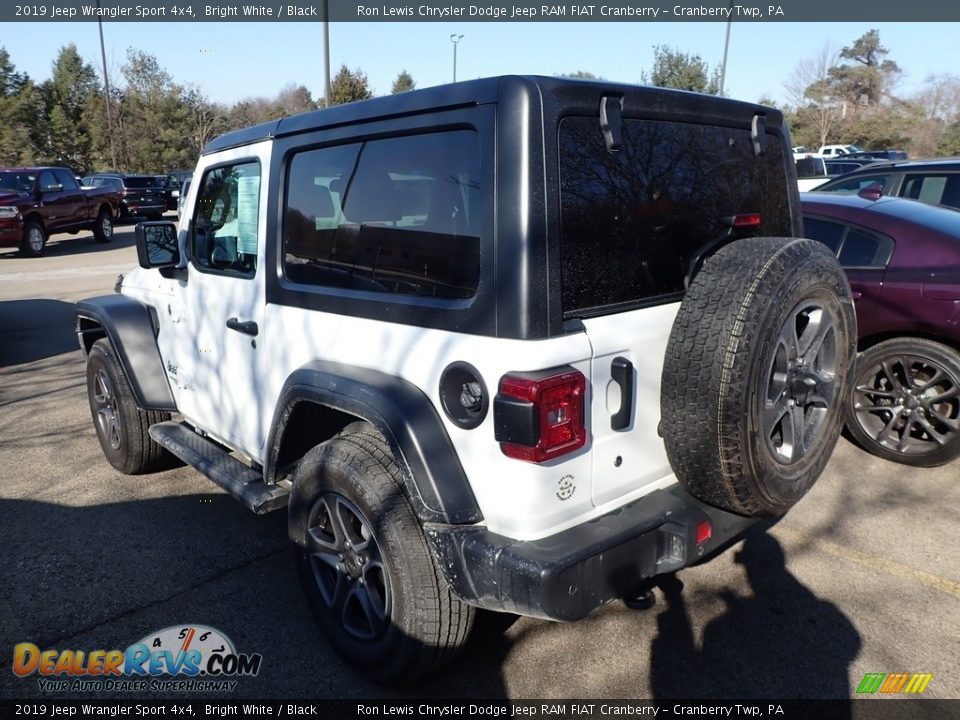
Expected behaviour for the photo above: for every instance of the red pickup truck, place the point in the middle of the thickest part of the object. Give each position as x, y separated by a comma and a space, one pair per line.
37, 201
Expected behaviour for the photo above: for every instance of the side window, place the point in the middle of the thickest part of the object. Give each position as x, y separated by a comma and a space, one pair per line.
225, 223
47, 180
855, 185
829, 233
399, 215
933, 189
865, 250
66, 179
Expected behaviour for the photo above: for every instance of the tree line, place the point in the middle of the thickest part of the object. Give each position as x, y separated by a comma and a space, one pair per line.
151, 123
154, 123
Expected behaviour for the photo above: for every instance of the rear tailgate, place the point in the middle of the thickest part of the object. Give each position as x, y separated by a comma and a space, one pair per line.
636, 222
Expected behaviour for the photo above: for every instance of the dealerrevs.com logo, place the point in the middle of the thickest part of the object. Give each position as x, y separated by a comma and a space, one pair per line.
177, 658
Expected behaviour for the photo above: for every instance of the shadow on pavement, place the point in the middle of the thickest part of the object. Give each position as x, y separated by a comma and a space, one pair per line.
104, 576
79, 244
780, 642
32, 330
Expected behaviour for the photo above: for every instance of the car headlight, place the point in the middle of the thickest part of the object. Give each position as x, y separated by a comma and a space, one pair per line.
8, 213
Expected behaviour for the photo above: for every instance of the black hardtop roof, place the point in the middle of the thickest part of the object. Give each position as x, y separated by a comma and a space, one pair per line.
548, 90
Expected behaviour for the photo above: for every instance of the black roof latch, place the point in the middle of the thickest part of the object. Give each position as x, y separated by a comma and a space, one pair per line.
611, 122
758, 133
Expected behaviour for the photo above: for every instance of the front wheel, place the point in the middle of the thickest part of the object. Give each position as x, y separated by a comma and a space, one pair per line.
905, 405
122, 427
34, 242
364, 563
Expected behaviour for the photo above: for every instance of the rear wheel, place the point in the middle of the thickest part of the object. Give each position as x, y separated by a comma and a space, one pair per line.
365, 566
756, 373
103, 229
905, 405
34, 242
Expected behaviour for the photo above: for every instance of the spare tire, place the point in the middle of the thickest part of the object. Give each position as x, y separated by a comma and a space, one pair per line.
756, 373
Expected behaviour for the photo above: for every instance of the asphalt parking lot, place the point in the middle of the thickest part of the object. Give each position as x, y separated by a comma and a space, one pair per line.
862, 576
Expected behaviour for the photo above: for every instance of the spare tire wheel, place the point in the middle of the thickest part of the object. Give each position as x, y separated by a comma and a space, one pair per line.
757, 369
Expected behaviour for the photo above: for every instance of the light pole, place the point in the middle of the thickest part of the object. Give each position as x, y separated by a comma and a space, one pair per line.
455, 39
106, 87
726, 47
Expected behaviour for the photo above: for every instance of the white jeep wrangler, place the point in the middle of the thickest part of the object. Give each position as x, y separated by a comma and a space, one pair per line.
518, 344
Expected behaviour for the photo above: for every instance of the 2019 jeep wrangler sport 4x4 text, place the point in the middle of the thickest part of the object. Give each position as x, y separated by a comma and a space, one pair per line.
518, 343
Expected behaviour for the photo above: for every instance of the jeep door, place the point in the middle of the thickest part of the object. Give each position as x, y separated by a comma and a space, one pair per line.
218, 308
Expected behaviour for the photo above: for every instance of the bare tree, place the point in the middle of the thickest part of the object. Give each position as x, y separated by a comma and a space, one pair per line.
811, 92
206, 119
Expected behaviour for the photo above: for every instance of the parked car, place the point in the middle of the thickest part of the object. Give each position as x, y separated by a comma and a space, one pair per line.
903, 261
173, 182
38, 201
144, 196
837, 150
930, 181
811, 172
516, 343
879, 154
845, 164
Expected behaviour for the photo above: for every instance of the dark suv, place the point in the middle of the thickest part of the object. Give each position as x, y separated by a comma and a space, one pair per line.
520, 344
144, 196
931, 181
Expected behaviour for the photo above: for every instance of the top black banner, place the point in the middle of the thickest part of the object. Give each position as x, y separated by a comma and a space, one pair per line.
479, 11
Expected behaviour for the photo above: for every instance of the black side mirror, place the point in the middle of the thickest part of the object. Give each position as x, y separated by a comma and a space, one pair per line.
157, 245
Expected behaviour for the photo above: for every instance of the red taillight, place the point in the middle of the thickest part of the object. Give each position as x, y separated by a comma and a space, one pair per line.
704, 531
747, 220
553, 405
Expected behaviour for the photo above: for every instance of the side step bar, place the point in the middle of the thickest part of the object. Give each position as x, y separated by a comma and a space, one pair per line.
240, 481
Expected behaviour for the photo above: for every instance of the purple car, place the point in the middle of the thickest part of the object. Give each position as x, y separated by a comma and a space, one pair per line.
903, 261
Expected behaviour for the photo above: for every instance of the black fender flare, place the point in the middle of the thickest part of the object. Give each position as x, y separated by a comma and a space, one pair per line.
433, 476
133, 333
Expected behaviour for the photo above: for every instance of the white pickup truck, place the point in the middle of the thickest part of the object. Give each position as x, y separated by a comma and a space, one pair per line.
829, 151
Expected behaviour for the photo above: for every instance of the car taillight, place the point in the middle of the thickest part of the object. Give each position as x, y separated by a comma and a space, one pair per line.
539, 416
747, 220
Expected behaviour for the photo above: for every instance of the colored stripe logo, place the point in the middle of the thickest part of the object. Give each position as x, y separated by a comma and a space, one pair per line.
892, 683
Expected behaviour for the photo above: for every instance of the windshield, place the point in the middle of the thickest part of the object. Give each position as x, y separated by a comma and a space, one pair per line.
19, 181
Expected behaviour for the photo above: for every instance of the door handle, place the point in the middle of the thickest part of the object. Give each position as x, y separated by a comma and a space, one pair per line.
247, 327
621, 371
856, 294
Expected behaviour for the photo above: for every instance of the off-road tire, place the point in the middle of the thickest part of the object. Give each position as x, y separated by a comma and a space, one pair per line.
103, 228
126, 443
34, 242
728, 372
922, 430
426, 625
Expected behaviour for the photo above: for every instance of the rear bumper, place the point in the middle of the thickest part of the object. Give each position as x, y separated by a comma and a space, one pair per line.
569, 575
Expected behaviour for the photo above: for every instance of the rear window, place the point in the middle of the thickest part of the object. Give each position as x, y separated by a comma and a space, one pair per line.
634, 222
141, 182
